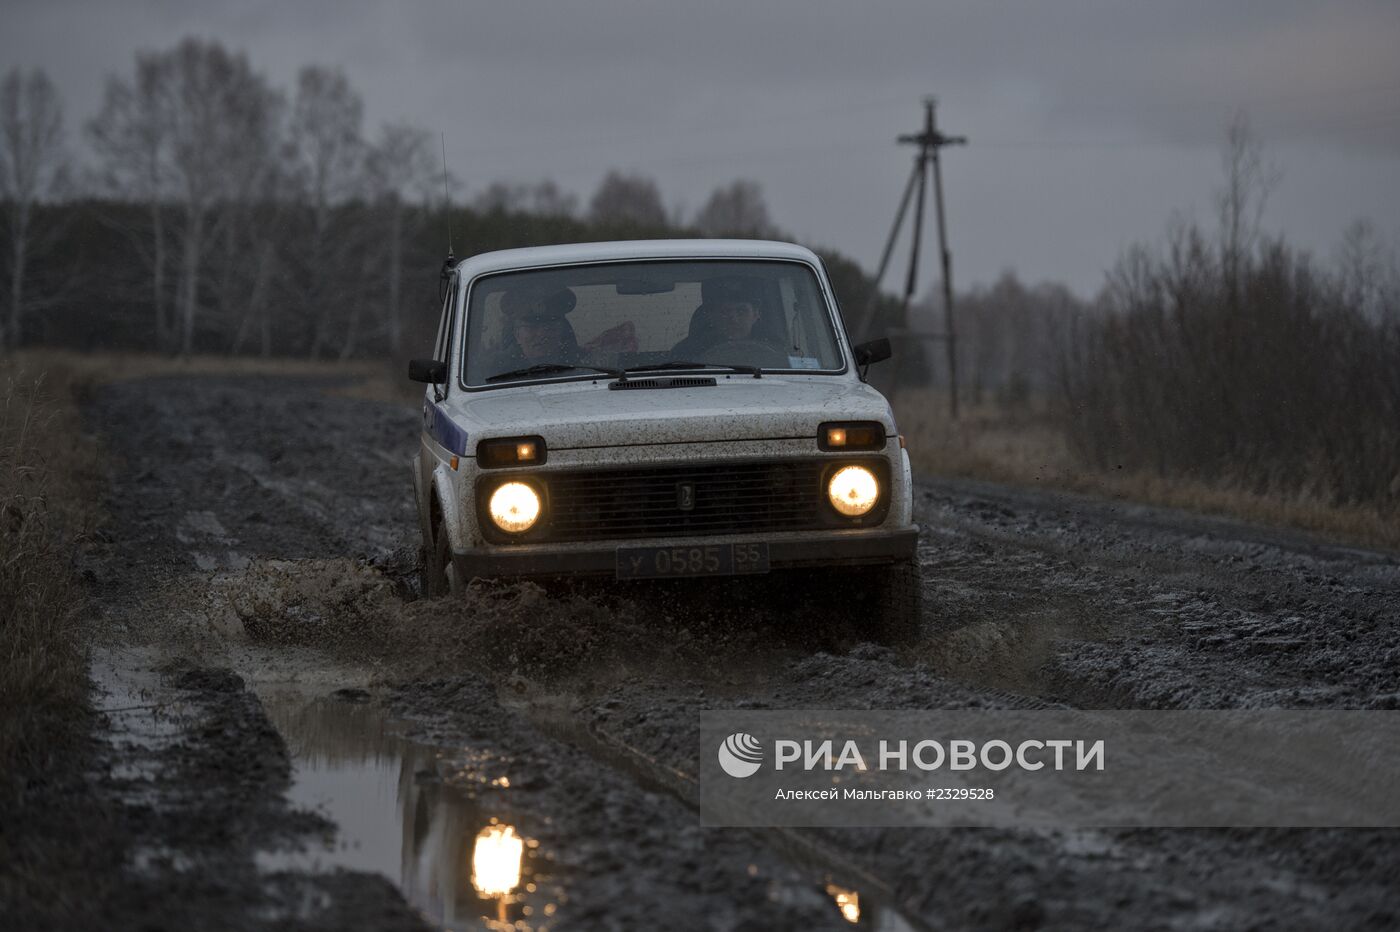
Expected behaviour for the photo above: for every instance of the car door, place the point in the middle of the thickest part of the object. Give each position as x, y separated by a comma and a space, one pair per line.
431, 450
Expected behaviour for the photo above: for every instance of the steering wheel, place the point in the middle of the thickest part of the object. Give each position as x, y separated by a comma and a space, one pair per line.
745, 353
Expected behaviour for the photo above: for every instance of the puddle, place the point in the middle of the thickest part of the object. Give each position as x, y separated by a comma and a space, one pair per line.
461, 861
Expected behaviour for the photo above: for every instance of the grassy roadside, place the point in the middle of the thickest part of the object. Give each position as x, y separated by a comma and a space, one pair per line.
48, 496
49, 818
67, 836
1023, 446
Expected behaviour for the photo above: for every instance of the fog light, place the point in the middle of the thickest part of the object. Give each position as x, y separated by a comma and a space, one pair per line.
515, 507
842, 436
511, 451
853, 491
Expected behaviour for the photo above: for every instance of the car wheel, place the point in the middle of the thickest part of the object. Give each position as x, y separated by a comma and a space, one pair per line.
439, 574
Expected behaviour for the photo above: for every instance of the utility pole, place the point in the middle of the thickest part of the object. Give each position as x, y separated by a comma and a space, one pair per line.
930, 142
937, 142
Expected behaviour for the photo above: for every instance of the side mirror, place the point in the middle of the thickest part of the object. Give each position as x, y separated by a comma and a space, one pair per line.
431, 371
872, 351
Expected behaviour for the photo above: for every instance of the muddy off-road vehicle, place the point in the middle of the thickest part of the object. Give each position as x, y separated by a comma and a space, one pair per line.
661, 409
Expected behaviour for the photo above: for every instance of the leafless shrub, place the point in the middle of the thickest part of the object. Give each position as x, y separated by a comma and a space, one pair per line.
1261, 375
1242, 361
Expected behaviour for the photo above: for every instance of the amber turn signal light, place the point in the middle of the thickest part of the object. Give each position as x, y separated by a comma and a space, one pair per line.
851, 435
510, 451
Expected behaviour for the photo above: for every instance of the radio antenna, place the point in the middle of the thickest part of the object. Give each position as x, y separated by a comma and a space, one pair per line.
447, 201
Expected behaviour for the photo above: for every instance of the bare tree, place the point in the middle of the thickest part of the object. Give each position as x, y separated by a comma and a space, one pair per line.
1240, 202
131, 137
184, 128
31, 165
327, 139
633, 199
1368, 279
251, 215
327, 123
274, 202
736, 209
401, 170
208, 94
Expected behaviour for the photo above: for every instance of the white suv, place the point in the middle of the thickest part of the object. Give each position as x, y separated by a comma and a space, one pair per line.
660, 409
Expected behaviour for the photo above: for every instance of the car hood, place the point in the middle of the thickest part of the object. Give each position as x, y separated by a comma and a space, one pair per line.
589, 414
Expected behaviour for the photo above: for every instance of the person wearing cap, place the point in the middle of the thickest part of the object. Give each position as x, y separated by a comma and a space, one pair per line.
727, 314
734, 320
537, 329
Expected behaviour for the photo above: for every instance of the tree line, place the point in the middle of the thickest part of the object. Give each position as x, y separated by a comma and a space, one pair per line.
220, 213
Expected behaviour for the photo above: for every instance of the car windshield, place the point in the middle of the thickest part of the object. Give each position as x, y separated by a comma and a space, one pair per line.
579, 321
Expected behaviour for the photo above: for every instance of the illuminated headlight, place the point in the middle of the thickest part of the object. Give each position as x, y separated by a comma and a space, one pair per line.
853, 491
515, 507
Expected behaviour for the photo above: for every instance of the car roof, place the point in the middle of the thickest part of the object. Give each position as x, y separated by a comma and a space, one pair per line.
536, 256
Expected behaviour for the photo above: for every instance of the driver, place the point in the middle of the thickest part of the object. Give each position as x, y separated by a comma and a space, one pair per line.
727, 314
734, 320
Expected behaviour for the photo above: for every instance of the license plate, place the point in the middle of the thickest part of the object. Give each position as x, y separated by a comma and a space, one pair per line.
702, 560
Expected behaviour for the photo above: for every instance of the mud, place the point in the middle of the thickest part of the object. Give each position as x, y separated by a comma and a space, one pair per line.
263, 546
185, 777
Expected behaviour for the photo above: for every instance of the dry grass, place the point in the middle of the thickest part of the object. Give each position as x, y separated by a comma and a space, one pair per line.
1026, 447
93, 368
50, 484
47, 493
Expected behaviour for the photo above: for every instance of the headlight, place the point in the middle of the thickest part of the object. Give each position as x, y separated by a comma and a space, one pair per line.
515, 507
853, 491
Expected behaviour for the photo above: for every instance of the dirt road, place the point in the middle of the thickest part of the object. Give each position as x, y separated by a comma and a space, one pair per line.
289, 725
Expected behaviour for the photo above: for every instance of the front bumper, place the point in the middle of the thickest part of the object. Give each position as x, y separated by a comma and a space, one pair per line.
785, 551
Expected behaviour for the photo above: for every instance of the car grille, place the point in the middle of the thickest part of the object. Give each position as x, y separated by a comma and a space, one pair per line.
729, 498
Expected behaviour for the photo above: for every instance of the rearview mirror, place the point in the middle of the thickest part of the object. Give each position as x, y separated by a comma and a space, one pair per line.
645, 286
431, 371
872, 351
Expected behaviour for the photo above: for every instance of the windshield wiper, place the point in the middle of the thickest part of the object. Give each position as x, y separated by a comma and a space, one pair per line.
546, 368
755, 371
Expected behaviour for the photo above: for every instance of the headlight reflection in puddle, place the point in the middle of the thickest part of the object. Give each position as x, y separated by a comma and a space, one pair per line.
848, 901
496, 860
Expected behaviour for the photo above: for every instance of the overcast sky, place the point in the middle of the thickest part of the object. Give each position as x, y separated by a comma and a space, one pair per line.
1090, 121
